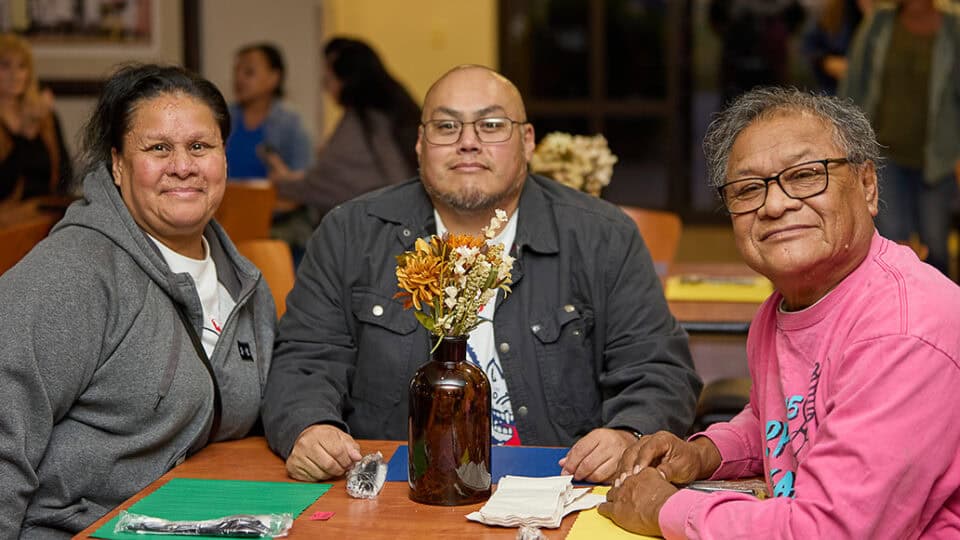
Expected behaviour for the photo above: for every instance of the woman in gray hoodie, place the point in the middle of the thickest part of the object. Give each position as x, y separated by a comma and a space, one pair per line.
135, 333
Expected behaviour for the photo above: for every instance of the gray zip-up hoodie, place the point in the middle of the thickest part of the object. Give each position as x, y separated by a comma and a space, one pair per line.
103, 390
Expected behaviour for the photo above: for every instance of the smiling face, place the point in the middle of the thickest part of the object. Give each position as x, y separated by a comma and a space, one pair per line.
469, 175
172, 169
804, 246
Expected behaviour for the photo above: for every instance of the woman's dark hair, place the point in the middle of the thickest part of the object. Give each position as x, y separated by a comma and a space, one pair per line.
366, 84
125, 90
274, 59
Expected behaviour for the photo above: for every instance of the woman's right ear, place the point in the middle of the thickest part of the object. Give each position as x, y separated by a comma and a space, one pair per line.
116, 166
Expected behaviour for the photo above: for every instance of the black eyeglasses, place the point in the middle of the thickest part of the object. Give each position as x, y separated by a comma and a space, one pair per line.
488, 130
800, 181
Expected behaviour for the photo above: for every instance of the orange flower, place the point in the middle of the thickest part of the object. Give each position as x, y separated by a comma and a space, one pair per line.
418, 274
465, 240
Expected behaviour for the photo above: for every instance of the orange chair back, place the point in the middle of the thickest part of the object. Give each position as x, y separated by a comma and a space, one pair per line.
274, 260
247, 210
17, 239
660, 231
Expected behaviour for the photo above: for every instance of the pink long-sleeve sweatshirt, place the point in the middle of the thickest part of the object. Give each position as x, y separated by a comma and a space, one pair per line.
853, 415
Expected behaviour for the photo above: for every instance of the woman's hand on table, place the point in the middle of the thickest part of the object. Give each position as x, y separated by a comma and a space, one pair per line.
322, 452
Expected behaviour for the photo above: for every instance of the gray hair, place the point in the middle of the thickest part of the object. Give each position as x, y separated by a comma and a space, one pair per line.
851, 129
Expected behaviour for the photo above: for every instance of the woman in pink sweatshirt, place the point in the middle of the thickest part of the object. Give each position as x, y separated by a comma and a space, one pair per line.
854, 358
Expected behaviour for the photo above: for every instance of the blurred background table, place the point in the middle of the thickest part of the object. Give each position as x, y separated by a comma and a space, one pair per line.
24, 224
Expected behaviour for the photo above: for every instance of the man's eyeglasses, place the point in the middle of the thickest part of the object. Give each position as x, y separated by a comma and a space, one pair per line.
799, 181
488, 130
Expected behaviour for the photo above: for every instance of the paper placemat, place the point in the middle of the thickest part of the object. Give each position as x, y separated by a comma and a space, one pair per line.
591, 525
750, 289
197, 499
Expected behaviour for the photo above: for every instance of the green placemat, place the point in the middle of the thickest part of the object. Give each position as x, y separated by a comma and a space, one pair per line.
196, 499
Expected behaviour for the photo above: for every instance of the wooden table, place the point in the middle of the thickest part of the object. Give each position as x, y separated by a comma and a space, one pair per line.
713, 312
22, 225
720, 353
392, 515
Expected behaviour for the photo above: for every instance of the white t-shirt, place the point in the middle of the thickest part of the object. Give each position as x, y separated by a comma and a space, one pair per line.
482, 350
216, 301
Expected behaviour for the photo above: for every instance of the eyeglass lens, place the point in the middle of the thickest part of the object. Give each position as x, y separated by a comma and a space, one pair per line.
797, 182
488, 130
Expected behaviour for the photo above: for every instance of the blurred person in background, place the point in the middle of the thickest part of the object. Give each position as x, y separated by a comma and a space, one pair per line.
261, 124
262, 129
826, 43
372, 145
903, 71
33, 158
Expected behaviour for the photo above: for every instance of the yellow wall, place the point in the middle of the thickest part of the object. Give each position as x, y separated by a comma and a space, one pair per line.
418, 40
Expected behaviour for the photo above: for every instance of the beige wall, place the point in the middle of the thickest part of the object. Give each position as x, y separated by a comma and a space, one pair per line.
418, 39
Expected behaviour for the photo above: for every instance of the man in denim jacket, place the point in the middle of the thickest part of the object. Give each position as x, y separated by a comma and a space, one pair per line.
584, 350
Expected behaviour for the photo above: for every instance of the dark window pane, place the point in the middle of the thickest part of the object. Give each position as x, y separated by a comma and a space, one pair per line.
640, 175
636, 48
554, 35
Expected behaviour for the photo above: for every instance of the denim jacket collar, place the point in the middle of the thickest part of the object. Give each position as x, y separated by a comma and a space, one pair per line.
414, 211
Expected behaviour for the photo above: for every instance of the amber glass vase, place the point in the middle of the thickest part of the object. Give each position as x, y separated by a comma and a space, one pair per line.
449, 425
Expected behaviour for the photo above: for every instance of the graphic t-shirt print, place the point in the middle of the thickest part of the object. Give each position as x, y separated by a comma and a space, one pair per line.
787, 437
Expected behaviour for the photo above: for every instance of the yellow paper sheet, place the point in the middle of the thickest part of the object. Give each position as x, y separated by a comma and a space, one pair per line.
590, 525
718, 289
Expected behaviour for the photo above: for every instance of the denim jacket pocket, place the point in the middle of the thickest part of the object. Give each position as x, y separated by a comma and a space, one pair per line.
384, 336
565, 356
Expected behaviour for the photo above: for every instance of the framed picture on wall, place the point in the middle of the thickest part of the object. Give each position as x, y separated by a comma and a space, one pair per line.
70, 23
78, 43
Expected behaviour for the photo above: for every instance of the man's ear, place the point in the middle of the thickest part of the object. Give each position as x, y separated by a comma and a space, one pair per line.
871, 188
529, 141
417, 147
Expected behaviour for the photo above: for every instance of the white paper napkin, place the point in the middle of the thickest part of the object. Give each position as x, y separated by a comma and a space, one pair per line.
534, 502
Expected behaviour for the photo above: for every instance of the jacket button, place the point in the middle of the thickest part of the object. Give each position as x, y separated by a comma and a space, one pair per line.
535, 328
522, 410
406, 232
504, 347
377, 310
569, 308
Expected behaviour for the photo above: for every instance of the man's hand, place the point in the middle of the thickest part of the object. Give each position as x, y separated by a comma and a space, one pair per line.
635, 504
322, 452
678, 461
594, 457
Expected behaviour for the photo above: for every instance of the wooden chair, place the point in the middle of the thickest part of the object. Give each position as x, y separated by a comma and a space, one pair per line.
17, 239
661, 232
274, 260
247, 210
